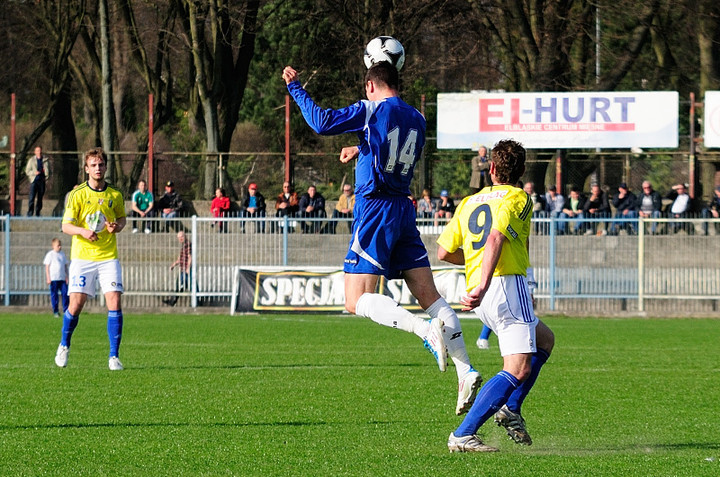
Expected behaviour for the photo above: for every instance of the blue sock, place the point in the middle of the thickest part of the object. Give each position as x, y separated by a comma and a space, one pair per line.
485, 333
114, 329
518, 396
69, 324
490, 398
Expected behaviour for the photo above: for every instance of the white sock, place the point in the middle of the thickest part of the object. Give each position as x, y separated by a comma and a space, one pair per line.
452, 334
385, 311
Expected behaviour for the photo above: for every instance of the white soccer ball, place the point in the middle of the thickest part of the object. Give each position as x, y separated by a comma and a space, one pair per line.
385, 48
96, 222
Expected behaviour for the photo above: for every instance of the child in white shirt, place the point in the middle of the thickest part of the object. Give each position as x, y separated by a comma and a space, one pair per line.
56, 275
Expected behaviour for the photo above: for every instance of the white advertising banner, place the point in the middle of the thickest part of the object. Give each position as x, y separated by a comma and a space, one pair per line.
711, 123
558, 120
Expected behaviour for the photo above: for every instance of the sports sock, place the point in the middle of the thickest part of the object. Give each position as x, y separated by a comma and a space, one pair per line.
485, 333
114, 329
385, 311
490, 398
69, 324
452, 334
518, 396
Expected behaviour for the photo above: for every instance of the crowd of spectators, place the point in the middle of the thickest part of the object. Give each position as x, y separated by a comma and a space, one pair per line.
601, 211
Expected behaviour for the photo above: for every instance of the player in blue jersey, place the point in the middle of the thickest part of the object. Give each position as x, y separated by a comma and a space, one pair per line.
385, 240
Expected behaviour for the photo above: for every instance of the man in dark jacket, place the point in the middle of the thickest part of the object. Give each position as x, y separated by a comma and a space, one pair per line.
625, 204
596, 207
312, 205
254, 206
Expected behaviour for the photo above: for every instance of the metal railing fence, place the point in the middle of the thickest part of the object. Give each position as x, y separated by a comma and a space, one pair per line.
658, 265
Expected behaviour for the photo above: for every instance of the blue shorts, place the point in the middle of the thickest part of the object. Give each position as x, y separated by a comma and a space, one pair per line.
385, 240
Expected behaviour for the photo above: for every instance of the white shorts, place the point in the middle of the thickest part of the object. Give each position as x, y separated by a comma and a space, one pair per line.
507, 309
84, 273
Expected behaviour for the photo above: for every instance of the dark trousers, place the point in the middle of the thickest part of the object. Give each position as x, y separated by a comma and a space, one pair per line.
338, 215
59, 286
146, 224
37, 191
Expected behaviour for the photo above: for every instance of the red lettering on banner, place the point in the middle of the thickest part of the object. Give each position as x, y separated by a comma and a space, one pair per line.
486, 114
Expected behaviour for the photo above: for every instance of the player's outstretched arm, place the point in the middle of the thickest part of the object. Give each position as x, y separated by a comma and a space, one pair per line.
349, 153
289, 75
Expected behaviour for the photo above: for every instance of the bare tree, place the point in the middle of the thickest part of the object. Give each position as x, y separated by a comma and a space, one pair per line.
221, 38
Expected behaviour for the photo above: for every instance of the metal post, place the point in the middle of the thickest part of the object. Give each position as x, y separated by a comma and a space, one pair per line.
287, 138
691, 159
13, 179
551, 262
641, 263
6, 219
151, 157
285, 240
193, 265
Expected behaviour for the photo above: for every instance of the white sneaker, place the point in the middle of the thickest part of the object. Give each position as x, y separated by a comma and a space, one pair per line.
147, 231
435, 343
467, 390
114, 364
61, 357
482, 344
134, 230
468, 444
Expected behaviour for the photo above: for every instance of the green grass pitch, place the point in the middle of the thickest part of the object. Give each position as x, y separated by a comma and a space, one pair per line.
314, 395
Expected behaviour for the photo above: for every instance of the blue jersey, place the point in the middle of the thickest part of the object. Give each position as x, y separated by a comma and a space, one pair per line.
392, 137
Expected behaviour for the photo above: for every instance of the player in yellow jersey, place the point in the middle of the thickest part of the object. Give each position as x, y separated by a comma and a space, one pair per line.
94, 213
489, 235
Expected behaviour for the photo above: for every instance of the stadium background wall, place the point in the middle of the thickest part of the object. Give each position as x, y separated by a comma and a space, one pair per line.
664, 274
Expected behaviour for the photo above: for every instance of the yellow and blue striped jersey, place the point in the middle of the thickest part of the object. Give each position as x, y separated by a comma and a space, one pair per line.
91, 209
501, 207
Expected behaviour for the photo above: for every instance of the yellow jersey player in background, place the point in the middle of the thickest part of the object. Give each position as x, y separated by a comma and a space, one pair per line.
94, 213
489, 234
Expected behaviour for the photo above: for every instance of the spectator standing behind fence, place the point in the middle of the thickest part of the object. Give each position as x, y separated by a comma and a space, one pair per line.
625, 204
573, 209
38, 171
254, 206
312, 206
344, 207
426, 206
680, 207
56, 276
596, 207
445, 207
220, 207
480, 166
142, 206
649, 205
183, 262
170, 205
712, 210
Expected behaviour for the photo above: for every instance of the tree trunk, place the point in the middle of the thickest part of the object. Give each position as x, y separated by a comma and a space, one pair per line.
66, 166
109, 131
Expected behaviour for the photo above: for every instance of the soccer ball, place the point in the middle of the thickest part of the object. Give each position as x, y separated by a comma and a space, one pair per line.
385, 48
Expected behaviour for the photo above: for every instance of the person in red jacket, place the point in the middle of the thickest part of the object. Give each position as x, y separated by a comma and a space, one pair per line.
220, 207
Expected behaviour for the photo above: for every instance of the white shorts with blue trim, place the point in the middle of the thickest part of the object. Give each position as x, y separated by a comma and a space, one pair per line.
84, 273
507, 309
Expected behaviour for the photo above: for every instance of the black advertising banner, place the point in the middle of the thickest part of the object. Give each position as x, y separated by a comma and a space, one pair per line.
311, 291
